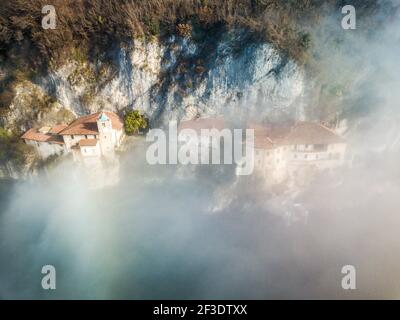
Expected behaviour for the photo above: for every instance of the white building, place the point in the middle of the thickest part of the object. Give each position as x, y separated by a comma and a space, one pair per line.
208, 133
45, 140
88, 138
295, 151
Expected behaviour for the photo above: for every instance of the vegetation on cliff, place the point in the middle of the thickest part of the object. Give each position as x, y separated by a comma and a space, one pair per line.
97, 26
100, 23
134, 122
13, 149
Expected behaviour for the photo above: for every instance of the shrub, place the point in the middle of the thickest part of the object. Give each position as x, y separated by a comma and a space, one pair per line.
153, 26
184, 30
134, 122
13, 149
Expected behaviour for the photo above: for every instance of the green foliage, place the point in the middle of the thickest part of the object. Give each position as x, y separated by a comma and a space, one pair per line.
134, 122
305, 40
50, 162
6, 97
97, 24
152, 25
13, 149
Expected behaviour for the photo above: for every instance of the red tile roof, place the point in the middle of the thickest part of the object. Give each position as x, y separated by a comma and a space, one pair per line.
34, 135
311, 133
269, 136
88, 142
88, 124
58, 128
202, 123
261, 142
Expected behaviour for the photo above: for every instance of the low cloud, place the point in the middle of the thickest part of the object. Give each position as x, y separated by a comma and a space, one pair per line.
157, 234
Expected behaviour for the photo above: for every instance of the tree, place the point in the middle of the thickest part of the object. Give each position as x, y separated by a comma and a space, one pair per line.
134, 122
12, 149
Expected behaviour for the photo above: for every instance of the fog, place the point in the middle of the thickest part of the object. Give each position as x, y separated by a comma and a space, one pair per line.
199, 232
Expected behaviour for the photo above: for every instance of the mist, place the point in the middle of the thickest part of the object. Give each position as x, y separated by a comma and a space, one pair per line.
170, 232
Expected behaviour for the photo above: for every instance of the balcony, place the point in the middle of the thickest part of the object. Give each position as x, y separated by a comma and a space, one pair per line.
309, 156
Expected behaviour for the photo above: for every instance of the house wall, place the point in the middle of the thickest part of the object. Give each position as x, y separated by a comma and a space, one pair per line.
45, 149
69, 142
108, 137
91, 151
91, 155
119, 136
271, 164
276, 165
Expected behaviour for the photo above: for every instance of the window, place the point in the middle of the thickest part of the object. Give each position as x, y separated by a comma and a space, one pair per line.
86, 136
72, 137
320, 147
104, 125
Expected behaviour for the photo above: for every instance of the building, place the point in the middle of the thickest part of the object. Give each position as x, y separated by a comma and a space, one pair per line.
199, 124
208, 133
45, 140
295, 150
88, 138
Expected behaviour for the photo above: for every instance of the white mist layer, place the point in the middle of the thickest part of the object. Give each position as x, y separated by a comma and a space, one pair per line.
156, 235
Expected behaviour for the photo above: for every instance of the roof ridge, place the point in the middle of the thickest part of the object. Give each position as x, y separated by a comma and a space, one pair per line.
328, 129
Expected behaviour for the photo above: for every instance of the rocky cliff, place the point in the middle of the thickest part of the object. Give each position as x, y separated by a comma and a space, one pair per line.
170, 79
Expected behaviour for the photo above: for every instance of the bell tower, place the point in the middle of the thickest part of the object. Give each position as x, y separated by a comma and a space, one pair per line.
106, 134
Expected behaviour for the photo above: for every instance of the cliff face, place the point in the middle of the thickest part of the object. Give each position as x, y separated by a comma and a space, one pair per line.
182, 59
173, 78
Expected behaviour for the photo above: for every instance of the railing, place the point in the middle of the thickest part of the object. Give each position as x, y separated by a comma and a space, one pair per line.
309, 156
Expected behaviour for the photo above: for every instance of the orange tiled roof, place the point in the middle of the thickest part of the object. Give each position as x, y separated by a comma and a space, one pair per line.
202, 123
311, 133
261, 142
57, 128
268, 136
88, 142
88, 124
35, 135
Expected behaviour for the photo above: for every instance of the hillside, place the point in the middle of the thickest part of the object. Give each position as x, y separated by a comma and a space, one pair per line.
171, 59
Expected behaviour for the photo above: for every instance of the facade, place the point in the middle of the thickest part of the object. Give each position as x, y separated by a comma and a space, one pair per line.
46, 140
215, 127
295, 151
88, 138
